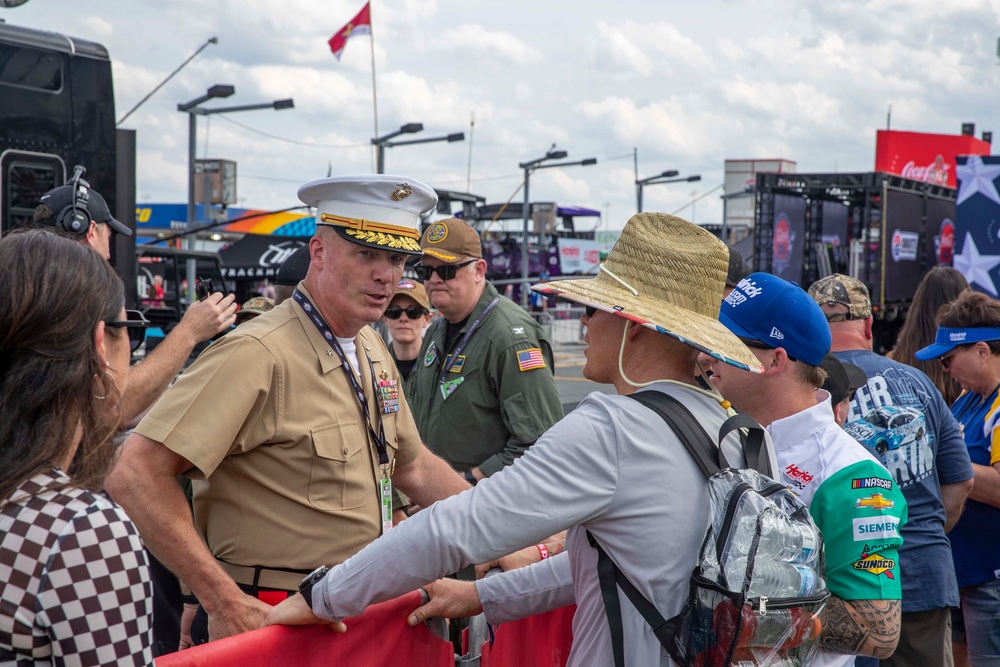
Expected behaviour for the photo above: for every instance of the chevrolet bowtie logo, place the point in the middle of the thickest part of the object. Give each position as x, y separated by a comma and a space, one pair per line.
876, 502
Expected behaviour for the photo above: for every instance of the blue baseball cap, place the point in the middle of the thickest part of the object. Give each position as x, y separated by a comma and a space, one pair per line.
765, 308
948, 338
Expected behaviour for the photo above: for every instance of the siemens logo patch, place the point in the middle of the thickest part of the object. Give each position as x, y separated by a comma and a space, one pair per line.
876, 528
871, 483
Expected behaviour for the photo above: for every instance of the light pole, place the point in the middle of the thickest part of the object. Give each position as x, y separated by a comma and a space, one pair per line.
383, 142
658, 180
218, 90
529, 167
193, 111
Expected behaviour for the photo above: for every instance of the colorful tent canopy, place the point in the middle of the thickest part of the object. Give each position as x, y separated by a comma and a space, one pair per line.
151, 217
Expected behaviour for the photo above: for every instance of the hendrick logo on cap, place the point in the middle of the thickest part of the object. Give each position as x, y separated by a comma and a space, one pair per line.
957, 336
745, 289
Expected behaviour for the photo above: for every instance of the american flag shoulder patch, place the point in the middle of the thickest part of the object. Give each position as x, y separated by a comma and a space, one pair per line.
530, 358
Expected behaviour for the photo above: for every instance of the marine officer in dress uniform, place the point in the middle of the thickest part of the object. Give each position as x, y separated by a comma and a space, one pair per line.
293, 425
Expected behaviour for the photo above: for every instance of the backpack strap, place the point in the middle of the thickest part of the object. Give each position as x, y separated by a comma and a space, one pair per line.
692, 435
610, 575
753, 441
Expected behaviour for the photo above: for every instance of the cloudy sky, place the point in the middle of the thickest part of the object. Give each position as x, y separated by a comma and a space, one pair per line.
687, 84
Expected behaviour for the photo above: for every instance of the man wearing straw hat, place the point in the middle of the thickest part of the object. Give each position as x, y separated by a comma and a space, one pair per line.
611, 467
293, 425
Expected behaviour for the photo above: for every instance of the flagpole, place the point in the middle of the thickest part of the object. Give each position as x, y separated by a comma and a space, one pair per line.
371, 29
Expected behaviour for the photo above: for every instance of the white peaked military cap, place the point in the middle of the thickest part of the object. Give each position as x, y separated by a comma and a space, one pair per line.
378, 210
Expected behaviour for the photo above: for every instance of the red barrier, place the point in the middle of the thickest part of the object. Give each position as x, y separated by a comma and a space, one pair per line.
542, 640
379, 637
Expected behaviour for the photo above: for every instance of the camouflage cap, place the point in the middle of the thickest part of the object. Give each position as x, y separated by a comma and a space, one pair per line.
254, 307
839, 289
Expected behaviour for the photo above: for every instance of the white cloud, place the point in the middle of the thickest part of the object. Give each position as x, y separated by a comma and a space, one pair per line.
629, 49
489, 46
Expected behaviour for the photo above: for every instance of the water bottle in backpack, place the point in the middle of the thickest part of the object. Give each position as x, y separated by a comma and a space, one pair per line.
775, 579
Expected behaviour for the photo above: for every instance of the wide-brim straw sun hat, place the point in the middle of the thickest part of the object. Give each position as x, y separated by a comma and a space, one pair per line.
668, 275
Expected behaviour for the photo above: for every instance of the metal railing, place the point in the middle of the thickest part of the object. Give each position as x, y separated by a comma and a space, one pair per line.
562, 324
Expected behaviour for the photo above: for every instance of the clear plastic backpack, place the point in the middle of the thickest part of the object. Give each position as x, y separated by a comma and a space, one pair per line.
756, 595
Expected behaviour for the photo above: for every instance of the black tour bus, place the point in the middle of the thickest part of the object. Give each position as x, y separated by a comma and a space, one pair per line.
57, 110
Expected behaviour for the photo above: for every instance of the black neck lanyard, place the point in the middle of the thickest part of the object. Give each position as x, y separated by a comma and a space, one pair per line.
359, 392
446, 367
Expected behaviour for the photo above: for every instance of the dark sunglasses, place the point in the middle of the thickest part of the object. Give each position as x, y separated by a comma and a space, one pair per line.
590, 310
413, 312
445, 271
759, 345
136, 324
946, 359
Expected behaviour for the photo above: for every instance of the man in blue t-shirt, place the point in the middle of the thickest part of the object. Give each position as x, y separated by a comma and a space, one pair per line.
901, 417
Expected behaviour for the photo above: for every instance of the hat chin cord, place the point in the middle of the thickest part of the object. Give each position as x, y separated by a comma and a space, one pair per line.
713, 394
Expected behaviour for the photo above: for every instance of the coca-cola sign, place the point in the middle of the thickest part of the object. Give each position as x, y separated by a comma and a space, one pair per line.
936, 172
924, 157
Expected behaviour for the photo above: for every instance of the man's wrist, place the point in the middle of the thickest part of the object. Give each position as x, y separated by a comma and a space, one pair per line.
307, 585
470, 478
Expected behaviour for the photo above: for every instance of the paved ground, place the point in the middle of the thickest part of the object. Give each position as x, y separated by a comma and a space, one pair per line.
572, 386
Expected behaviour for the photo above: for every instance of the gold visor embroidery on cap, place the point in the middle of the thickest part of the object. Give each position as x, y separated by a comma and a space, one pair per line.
379, 238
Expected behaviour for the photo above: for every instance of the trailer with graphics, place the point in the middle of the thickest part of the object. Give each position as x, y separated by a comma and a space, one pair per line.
57, 110
882, 229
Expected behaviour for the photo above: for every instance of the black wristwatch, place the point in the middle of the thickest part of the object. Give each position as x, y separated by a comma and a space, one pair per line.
306, 585
470, 478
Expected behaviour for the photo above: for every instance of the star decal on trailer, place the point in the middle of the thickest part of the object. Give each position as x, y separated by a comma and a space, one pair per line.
976, 267
975, 176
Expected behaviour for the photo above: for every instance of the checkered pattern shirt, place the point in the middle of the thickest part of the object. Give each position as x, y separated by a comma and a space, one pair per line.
75, 581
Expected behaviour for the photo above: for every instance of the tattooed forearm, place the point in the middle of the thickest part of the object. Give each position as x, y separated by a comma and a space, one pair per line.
861, 627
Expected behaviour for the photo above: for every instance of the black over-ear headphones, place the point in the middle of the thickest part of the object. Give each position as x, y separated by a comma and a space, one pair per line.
75, 218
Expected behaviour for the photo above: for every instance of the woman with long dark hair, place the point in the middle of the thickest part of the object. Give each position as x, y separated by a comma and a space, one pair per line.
76, 586
939, 287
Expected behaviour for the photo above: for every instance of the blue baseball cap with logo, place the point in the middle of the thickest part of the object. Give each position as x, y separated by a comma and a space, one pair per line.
948, 338
766, 308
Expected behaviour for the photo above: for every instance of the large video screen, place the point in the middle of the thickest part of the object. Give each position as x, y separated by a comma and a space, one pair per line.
902, 252
789, 237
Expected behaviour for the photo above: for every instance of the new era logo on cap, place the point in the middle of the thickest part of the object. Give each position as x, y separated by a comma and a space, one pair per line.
778, 313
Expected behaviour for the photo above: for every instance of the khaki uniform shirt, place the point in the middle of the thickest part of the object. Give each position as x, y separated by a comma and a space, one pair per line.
501, 404
289, 474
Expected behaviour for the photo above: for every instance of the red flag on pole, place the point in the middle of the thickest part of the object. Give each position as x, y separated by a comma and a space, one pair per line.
359, 25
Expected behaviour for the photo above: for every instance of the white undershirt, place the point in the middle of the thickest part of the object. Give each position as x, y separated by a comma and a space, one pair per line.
351, 352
